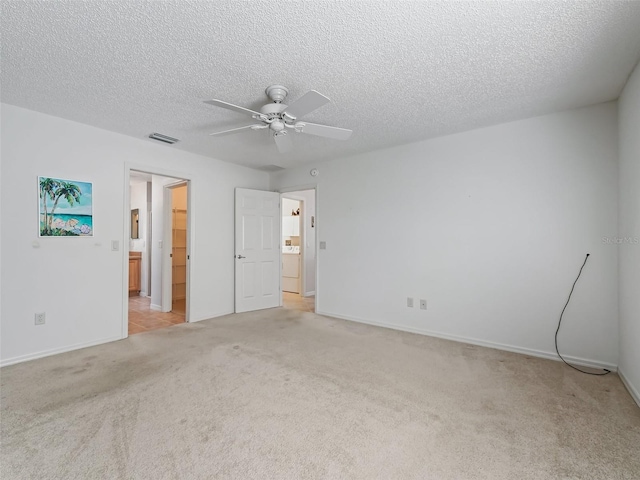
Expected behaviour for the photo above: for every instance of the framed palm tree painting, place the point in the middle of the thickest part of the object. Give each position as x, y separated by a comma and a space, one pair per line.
65, 208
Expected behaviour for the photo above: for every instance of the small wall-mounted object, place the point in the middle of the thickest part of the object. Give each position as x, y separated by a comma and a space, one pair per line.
40, 318
135, 220
314, 172
313, 221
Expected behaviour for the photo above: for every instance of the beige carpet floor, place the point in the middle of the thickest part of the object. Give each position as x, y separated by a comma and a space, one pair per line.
281, 394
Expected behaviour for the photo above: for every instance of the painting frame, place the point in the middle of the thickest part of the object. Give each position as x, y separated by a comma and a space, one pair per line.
65, 208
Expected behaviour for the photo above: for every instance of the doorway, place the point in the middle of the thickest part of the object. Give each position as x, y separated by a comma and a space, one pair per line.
179, 248
158, 233
299, 250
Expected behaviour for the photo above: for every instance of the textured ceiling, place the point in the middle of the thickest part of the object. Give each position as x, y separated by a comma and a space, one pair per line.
397, 72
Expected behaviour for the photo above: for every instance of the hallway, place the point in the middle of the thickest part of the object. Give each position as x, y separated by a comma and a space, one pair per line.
294, 301
143, 319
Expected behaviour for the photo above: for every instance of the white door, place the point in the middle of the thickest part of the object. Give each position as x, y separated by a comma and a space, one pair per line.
258, 250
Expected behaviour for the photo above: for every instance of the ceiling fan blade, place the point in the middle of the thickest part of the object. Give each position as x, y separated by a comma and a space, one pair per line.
230, 106
324, 130
283, 142
306, 104
234, 130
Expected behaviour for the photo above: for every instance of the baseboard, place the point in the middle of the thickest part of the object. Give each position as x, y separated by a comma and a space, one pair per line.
310, 294
157, 308
55, 351
482, 343
209, 317
631, 389
143, 293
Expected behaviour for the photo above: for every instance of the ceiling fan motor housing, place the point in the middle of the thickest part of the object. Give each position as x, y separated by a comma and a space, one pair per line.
273, 109
277, 93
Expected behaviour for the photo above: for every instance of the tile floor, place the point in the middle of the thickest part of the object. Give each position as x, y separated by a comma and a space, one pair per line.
179, 306
295, 301
143, 319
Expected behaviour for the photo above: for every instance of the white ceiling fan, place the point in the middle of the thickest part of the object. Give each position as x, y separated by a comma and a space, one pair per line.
282, 119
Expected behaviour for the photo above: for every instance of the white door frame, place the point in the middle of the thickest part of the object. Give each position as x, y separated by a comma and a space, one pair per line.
283, 193
303, 249
124, 247
167, 245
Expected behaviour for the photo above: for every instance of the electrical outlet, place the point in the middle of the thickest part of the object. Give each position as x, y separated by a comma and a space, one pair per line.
40, 318
423, 304
409, 302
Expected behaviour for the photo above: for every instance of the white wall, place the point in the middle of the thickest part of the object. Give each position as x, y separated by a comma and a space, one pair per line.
629, 120
78, 282
289, 205
489, 226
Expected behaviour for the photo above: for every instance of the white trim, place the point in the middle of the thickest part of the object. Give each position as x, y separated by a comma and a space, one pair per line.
126, 216
167, 244
55, 351
157, 308
309, 294
482, 343
212, 316
630, 388
302, 284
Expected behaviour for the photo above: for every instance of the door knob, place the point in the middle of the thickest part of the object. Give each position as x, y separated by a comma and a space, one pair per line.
240, 256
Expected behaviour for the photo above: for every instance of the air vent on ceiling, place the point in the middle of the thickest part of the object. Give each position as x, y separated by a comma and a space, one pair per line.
270, 168
163, 138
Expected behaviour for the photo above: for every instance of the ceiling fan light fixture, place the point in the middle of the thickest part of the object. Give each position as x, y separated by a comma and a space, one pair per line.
277, 126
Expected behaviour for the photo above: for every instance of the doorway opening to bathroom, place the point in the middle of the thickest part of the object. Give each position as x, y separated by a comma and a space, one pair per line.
299, 250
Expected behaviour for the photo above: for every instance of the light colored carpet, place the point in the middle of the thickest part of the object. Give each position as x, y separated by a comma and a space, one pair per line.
288, 395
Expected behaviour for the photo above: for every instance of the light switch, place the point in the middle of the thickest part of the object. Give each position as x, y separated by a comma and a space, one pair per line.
323, 245
115, 245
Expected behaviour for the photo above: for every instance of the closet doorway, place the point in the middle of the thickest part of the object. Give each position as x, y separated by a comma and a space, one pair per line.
179, 248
